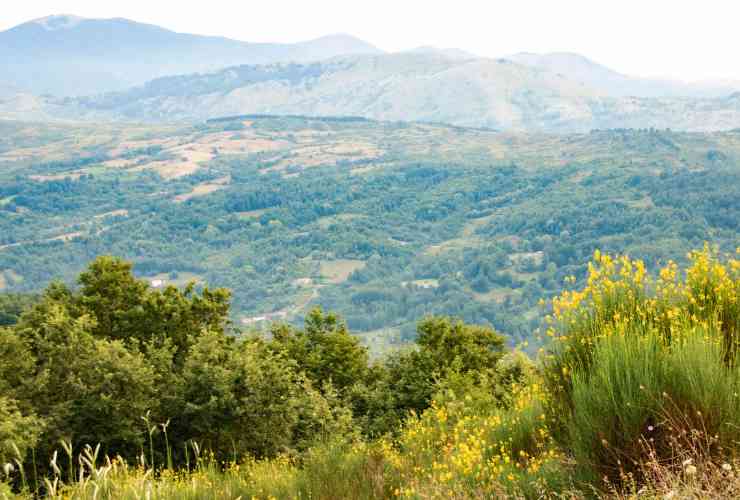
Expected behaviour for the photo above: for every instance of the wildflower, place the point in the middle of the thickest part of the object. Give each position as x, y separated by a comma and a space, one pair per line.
690, 470
726, 467
668, 496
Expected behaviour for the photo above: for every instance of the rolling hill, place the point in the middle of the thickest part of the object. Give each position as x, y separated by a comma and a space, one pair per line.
68, 55
384, 222
407, 86
121, 70
426, 86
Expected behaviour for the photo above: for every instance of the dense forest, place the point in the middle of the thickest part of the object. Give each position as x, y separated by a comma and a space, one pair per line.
381, 222
636, 392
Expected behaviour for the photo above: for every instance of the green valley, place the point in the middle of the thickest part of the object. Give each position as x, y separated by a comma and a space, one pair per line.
382, 222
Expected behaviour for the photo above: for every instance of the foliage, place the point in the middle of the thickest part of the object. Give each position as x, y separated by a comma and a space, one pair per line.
18, 433
125, 308
439, 220
637, 395
11, 307
467, 444
444, 345
644, 366
324, 349
239, 399
122, 365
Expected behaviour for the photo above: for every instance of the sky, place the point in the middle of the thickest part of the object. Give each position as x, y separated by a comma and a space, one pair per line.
688, 40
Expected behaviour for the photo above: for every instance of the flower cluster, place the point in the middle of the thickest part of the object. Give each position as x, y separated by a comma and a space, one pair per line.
453, 448
621, 296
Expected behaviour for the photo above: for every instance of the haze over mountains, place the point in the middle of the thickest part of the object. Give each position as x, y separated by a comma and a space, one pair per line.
69, 55
122, 70
492, 93
581, 69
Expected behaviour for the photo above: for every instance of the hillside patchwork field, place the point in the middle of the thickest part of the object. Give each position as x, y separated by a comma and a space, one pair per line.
383, 222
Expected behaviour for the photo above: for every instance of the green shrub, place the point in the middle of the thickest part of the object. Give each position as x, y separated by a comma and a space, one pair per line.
645, 369
643, 398
18, 432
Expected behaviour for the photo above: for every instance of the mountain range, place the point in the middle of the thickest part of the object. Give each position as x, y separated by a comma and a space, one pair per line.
429, 87
117, 69
68, 55
579, 68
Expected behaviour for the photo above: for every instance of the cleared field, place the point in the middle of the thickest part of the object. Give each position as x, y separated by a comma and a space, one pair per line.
203, 189
498, 296
58, 177
66, 237
252, 214
113, 213
337, 271
426, 283
11, 275
326, 222
453, 244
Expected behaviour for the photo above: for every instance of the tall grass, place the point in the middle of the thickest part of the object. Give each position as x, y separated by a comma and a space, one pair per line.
643, 399
329, 471
646, 369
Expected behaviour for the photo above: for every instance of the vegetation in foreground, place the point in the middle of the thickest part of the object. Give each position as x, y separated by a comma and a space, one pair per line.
637, 395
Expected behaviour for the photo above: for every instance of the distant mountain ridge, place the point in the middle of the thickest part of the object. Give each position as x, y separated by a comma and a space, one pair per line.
581, 69
401, 86
428, 86
116, 69
69, 55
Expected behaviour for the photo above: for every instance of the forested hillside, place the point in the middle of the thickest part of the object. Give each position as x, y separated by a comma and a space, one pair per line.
382, 222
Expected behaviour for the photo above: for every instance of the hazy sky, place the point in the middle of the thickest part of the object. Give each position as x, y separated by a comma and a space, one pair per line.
684, 39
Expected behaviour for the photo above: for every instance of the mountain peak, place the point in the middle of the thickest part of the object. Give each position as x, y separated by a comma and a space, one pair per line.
69, 55
58, 21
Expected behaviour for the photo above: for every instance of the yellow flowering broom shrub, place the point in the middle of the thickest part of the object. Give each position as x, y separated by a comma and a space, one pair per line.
644, 366
469, 446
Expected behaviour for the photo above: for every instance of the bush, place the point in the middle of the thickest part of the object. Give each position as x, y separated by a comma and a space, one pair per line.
644, 368
19, 433
470, 445
240, 399
645, 398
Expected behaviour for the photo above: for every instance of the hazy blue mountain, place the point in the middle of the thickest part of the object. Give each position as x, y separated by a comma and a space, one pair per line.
197, 79
403, 86
492, 93
452, 53
68, 55
579, 68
